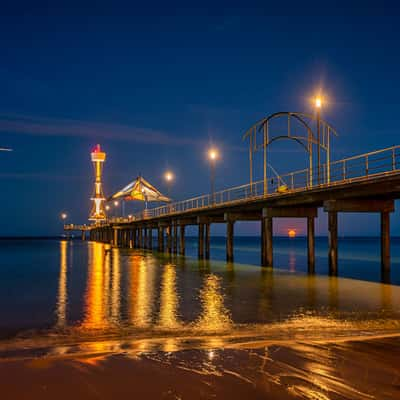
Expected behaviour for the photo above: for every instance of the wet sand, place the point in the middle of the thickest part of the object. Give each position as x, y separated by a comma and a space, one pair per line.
354, 369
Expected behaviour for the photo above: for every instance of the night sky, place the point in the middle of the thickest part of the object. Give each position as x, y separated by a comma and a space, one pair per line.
156, 87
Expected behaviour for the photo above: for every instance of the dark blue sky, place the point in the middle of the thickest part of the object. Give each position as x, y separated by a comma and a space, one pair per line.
156, 90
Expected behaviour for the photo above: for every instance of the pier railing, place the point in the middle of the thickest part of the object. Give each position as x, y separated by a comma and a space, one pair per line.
348, 170
74, 227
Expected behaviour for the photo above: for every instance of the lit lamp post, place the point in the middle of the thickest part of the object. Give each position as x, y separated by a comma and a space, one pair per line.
107, 209
63, 218
116, 203
318, 104
212, 156
169, 177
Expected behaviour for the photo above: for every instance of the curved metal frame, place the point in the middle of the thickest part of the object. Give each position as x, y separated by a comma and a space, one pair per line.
296, 139
310, 140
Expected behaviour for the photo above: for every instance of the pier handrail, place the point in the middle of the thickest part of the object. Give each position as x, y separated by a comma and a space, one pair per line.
355, 168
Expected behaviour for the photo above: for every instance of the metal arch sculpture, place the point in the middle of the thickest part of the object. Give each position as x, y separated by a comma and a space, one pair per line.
321, 141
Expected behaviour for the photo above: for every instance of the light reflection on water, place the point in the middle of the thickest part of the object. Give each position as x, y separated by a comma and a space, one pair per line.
62, 287
214, 316
102, 291
168, 318
131, 291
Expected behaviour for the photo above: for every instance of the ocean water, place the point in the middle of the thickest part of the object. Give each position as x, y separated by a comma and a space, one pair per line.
85, 320
74, 289
359, 257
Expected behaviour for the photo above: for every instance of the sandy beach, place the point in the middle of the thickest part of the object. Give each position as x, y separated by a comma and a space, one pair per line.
349, 369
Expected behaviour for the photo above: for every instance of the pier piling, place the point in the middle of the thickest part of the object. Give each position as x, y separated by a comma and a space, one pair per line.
201, 241
160, 239
229, 240
207, 241
182, 240
311, 244
175, 238
333, 242
385, 241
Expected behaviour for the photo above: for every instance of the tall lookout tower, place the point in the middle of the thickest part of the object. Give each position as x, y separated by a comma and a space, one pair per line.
98, 212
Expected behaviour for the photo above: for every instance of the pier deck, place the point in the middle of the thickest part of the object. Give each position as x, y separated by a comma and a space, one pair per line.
372, 187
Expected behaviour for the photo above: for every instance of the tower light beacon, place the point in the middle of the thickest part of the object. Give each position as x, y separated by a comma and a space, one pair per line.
98, 212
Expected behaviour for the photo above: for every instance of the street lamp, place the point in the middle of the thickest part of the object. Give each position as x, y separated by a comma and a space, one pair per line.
63, 218
213, 155
116, 204
318, 105
169, 177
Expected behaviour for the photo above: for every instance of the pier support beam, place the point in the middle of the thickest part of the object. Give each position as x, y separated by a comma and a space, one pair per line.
146, 238
115, 239
175, 238
311, 244
286, 212
169, 238
160, 239
150, 239
134, 238
262, 230
333, 242
384, 207
229, 240
207, 241
385, 242
267, 247
140, 238
130, 238
182, 240
200, 248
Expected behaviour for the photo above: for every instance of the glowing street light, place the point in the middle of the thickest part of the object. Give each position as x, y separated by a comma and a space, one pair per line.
318, 105
213, 156
169, 178
116, 204
107, 207
63, 217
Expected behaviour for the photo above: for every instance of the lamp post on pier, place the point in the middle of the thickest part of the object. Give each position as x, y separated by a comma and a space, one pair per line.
169, 178
212, 156
116, 204
318, 104
63, 216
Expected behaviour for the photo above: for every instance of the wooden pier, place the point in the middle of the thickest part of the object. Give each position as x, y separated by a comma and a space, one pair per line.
372, 187
373, 195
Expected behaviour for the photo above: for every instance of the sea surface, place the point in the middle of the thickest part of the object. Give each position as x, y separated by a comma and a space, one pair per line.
87, 300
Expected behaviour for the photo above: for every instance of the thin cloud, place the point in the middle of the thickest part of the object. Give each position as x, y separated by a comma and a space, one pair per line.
39, 176
27, 125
